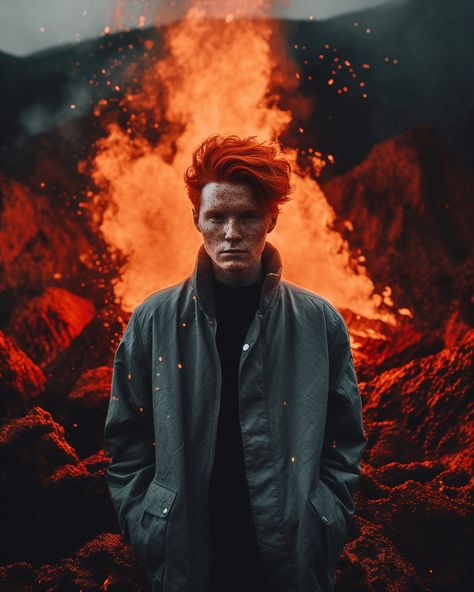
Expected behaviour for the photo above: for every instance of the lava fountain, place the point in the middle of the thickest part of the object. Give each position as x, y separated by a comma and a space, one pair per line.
215, 79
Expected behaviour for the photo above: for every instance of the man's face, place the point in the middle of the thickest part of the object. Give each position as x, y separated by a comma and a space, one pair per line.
234, 228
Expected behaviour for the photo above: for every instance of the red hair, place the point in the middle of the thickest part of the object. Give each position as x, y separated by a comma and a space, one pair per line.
241, 160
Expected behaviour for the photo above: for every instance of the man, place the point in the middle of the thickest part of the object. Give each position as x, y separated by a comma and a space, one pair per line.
234, 425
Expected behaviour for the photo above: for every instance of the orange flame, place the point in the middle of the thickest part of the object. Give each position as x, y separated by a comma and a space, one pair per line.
216, 78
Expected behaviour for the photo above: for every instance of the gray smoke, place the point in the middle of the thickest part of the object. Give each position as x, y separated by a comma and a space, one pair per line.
27, 26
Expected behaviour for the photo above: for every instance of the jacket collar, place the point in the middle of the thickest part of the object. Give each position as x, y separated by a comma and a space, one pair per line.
202, 279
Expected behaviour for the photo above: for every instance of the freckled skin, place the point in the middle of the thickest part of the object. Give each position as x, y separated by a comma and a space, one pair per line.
230, 217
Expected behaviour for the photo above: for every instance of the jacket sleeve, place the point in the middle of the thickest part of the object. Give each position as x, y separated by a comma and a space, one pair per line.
344, 438
128, 432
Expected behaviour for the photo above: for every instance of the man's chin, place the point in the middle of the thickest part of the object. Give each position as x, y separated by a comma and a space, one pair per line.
233, 268
239, 261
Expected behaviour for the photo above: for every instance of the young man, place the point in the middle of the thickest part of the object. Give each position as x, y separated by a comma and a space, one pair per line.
234, 425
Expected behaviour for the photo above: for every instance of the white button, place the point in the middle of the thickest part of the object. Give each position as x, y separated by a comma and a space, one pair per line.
165, 510
246, 346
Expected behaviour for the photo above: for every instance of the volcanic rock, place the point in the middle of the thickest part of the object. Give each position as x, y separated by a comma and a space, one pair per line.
370, 560
430, 397
390, 442
40, 242
17, 577
87, 410
103, 563
416, 480
33, 447
409, 207
47, 324
54, 502
21, 381
422, 520
378, 346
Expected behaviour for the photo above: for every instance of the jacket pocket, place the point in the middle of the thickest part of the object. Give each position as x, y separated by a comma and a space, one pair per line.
150, 537
323, 503
323, 510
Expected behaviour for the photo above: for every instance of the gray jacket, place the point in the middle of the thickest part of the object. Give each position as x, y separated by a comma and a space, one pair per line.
301, 421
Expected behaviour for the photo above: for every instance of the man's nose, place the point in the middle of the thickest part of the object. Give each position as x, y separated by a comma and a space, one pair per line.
232, 230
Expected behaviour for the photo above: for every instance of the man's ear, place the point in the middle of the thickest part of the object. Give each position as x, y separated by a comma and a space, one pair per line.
196, 220
272, 223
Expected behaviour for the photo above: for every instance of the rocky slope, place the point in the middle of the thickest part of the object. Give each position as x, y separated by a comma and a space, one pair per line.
416, 490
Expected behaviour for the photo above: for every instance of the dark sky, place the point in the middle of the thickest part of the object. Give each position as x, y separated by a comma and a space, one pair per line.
29, 25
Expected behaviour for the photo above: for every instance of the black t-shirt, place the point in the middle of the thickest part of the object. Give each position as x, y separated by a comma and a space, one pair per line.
235, 557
